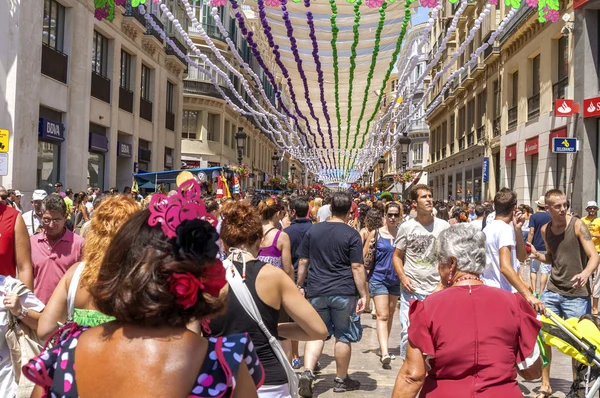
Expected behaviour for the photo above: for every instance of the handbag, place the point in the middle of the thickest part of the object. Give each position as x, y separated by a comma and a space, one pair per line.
372, 252
23, 344
239, 288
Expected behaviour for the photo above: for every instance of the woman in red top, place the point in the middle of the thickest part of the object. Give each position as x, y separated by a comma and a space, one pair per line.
467, 340
15, 250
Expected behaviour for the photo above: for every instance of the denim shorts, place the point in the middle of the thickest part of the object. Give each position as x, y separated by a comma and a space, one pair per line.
379, 288
566, 307
339, 314
537, 265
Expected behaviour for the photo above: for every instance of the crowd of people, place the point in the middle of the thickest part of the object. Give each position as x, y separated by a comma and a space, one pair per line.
188, 295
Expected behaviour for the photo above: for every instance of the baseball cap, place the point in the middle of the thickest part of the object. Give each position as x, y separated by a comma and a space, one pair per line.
39, 194
541, 202
18, 193
591, 203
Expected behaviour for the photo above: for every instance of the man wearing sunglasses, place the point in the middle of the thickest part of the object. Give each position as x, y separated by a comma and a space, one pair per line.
54, 250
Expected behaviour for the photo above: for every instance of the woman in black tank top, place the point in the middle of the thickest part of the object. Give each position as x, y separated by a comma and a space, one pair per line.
271, 290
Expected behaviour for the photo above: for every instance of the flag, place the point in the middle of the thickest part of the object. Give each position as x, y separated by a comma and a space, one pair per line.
226, 187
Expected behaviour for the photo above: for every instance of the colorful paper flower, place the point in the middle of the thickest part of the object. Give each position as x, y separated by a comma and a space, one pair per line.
136, 3
273, 3
493, 2
429, 3
552, 15
218, 3
374, 3
532, 3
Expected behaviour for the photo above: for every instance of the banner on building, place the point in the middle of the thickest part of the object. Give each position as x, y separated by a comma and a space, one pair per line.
486, 169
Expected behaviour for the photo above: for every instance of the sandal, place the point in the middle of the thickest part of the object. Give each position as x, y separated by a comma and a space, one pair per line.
543, 394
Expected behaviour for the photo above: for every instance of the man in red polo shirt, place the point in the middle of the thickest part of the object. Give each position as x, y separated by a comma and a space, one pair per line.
54, 250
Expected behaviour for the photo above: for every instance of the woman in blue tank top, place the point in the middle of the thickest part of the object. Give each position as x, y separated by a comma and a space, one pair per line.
384, 283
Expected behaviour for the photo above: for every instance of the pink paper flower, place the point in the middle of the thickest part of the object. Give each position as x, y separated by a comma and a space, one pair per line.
493, 2
218, 3
552, 15
532, 3
374, 3
273, 3
429, 3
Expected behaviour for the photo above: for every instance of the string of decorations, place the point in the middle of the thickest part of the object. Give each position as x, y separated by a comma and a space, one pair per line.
336, 77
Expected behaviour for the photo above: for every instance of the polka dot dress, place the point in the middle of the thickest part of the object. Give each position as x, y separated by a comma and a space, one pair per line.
54, 369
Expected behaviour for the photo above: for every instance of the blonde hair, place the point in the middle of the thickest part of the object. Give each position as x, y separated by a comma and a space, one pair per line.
108, 218
316, 206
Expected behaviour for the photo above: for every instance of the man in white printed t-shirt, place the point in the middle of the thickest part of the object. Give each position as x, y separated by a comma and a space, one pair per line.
27, 309
415, 242
505, 247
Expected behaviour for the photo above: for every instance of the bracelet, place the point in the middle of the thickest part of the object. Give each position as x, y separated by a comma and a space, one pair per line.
23, 313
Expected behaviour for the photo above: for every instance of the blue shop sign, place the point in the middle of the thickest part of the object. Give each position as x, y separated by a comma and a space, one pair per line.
564, 145
51, 130
98, 143
486, 169
123, 149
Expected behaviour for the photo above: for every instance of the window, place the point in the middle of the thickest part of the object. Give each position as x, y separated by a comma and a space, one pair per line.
125, 70
461, 122
515, 89
53, 25
213, 126
170, 97
190, 125
100, 55
533, 178
418, 152
481, 105
535, 80
471, 116
145, 89
563, 57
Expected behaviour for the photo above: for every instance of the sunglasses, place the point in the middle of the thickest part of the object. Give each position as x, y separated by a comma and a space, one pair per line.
393, 215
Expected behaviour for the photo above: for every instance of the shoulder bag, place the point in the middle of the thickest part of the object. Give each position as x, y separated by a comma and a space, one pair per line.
239, 288
372, 253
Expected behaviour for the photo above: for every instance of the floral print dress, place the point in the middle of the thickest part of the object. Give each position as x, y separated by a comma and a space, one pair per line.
54, 369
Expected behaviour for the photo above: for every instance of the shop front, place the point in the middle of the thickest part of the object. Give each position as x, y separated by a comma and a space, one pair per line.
98, 147
50, 138
124, 163
558, 161
510, 156
532, 148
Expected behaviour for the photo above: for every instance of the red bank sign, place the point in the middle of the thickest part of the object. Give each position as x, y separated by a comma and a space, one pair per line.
564, 108
591, 107
510, 153
532, 146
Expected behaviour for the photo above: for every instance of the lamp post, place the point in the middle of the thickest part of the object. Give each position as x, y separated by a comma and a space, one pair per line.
303, 176
365, 178
404, 143
293, 171
240, 138
275, 159
381, 163
371, 181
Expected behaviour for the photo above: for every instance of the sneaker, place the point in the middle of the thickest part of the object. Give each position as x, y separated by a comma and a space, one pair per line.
305, 388
392, 357
318, 367
385, 360
296, 363
347, 384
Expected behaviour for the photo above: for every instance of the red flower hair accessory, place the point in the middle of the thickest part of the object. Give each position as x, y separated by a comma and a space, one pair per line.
185, 286
169, 212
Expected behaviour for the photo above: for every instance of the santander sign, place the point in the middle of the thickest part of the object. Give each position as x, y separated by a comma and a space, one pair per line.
591, 107
564, 108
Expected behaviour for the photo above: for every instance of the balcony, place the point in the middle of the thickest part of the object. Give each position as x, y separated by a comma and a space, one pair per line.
170, 121
533, 106
464, 75
480, 133
444, 152
490, 54
133, 12
183, 48
54, 63
150, 30
100, 87
126, 99
523, 14
205, 88
211, 30
496, 126
461, 143
146, 109
513, 114
452, 147
559, 89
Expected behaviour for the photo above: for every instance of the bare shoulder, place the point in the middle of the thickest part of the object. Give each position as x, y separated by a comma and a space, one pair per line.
582, 229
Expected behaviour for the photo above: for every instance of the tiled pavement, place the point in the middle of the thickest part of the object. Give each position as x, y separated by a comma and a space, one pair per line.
379, 382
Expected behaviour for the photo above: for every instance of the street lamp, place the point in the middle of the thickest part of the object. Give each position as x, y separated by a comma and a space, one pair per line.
371, 180
404, 143
303, 176
240, 138
381, 162
293, 171
275, 159
365, 178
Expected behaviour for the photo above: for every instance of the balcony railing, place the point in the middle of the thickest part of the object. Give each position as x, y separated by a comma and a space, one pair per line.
559, 89
170, 121
146, 109
133, 12
533, 106
206, 88
452, 147
54, 63
464, 75
100, 87
471, 140
170, 51
211, 30
461, 143
480, 133
444, 152
126, 99
150, 30
513, 114
496, 126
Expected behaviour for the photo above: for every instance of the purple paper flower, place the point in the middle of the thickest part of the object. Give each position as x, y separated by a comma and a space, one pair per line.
532, 3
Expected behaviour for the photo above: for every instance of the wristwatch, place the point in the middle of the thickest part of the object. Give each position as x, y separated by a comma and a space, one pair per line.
23, 313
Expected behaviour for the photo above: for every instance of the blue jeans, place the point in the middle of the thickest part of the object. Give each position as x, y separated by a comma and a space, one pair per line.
405, 299
566, 307
339, 315
379, 288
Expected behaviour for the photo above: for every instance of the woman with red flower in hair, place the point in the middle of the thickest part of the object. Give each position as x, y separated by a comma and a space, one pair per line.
159, 273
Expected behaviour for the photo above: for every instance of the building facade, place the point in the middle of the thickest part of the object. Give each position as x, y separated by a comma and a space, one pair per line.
87, 102
493, 128
209, 122
586, 52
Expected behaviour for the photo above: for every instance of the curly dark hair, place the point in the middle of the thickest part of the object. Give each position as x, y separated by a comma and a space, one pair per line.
241, 224
373, 220
133, 280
